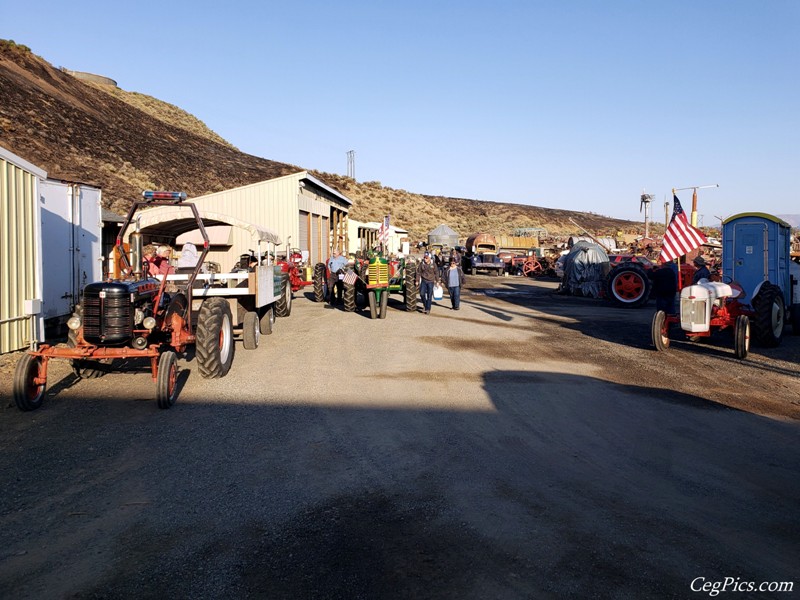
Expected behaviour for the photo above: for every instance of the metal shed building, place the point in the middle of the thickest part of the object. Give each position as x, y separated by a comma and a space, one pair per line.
305, 212
20, 251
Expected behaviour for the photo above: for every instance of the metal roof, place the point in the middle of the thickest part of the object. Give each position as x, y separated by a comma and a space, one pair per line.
173, 221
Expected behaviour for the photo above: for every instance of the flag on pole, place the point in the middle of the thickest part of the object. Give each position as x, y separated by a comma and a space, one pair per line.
680, 237
383, 232
350, 277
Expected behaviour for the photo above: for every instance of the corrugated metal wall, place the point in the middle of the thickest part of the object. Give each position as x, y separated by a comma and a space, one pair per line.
20, 262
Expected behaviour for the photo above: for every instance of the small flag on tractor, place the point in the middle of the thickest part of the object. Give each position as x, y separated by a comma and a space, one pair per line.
383, 232
680, 237
350, 278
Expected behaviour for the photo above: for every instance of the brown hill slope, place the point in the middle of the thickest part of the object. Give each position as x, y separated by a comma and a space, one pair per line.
125, 142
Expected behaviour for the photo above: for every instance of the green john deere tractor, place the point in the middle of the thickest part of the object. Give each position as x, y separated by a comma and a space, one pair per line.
368, 283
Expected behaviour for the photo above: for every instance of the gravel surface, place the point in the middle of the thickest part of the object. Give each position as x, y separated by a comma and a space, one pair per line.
530, 445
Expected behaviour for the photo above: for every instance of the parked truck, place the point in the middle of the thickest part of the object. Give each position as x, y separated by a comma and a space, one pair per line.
482, 255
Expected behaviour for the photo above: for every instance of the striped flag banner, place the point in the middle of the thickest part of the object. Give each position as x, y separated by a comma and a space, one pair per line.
383, 232
350, 278
680, 237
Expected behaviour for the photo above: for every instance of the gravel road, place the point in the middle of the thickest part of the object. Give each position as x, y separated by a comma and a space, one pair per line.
529, 445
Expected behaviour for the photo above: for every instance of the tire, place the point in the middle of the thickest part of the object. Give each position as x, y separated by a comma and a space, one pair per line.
167, 379
349, 297
319, 282
659, 331
267, 320
28, 395
410, 288
373, 309
283, 304
741, 336
628, 286
83, 369
770, 315
251, 331
214, 342
384, 304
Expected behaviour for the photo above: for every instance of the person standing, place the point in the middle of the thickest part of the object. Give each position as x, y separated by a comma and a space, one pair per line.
665, 286
454, 279
161, 261
336, 265
702, 270
427, 277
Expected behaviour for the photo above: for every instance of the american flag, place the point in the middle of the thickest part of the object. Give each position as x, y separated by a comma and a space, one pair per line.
350, 277
383, 231
680, 237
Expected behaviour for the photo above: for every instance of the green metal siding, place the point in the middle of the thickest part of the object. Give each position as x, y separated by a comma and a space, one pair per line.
19, 243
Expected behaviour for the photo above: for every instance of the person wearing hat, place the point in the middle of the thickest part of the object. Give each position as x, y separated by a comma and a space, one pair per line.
454, 277
427, 277
702, 270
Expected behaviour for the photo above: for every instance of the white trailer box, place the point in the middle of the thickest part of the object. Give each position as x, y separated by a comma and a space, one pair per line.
71, 243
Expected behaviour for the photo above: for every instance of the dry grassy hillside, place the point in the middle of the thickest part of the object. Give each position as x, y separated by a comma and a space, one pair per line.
125, 142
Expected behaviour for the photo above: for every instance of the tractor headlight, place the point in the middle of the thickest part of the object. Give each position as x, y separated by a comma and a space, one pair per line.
74, 323
149, 323
138, 316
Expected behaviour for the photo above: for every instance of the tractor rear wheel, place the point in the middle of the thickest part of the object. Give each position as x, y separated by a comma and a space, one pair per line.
28, 394
660, 331
319, 282
373, 307
770, 315
267, 320
628, 285
349, 297
384, 303
167, 379
741, 336
214, 342
410, 289
283, 304
251, 331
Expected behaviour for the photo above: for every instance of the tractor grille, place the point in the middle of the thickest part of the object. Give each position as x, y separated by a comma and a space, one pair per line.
107, 319
378, 273
693, 312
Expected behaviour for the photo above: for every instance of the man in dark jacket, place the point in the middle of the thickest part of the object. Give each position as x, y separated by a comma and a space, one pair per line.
427, 277
665, 286
702, 270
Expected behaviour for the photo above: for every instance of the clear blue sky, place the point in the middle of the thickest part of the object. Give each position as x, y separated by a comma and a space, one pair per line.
566, 104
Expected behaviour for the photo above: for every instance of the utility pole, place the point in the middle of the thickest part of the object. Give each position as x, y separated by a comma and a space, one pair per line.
645, 202
694, 198
351, 164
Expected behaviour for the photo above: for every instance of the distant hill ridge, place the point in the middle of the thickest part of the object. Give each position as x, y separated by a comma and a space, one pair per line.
125, 142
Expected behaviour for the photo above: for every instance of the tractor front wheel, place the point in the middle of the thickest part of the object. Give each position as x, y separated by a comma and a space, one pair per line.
770, 315
384, 303
29, 386
741, 336
319, 282
660, 331
267, 320
373, 305
167, 379
214, 342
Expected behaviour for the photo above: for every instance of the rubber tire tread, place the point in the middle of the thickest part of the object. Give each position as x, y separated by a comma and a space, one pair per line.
251, 329
319, 282
740, 333
349, 297
655, 330
26, 368
267, 320
209, 323
166, 361
373, 309
410, 288
384, 303
762, 324
283, 304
